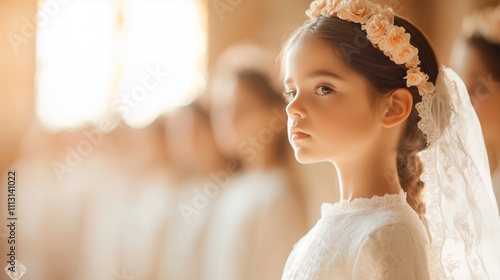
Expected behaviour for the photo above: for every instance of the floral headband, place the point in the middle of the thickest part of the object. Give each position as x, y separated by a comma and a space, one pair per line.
485, 23
378, 23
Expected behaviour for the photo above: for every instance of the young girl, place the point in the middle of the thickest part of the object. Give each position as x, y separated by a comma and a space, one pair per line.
366, 94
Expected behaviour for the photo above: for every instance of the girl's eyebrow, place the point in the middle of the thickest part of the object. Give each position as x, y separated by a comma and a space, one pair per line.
324, 73
319, 73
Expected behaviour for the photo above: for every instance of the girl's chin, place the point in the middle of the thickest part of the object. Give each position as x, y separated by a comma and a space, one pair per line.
306, 158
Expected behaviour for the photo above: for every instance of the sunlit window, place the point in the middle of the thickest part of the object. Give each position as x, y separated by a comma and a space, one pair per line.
135, 59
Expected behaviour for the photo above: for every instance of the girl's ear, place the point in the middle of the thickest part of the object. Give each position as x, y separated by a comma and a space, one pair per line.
396, 107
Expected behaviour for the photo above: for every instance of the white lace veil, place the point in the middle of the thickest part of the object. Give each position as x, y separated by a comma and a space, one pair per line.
461, 209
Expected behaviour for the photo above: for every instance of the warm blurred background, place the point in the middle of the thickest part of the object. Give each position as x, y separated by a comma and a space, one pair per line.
148, 140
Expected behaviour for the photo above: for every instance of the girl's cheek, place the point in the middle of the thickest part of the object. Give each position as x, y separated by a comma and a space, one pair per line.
353, 123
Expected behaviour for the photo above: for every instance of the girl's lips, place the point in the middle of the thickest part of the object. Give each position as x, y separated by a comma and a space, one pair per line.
300, 135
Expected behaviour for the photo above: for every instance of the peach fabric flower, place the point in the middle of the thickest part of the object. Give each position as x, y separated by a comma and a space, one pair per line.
396, 37
358, 11
404, 54
342, 10
413, 63
375, 28
426, 88
415, 77
315, 8
388, 13
331, 8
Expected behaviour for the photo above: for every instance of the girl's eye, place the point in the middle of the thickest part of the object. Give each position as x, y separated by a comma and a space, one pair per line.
289, 95
322, 90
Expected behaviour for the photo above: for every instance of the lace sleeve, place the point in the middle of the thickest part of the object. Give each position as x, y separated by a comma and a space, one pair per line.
394, 251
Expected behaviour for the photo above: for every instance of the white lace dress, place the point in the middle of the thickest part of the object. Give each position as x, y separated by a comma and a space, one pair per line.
377, 238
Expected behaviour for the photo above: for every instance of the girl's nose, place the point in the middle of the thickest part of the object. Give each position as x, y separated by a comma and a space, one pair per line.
295, 108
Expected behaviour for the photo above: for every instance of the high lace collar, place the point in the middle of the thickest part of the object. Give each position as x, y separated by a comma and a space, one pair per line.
360, 204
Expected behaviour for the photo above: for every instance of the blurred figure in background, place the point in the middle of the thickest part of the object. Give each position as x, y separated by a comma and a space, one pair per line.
95, 201
51, 208
477, 59
126, 200
195, 156
259, 215
149, 201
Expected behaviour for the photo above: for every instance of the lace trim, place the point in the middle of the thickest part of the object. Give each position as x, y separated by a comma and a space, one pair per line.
463, 224
360, 204
426, 123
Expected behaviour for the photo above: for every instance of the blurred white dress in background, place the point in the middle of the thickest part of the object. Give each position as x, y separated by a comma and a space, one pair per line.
183, 245
255, 222
144, 230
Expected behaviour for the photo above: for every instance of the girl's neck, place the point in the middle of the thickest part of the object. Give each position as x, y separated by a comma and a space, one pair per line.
369, 176
493, 156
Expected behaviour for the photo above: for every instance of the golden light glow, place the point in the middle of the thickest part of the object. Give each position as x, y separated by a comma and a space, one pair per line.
137, 59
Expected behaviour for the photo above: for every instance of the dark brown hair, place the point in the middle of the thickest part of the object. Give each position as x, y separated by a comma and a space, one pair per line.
489, 53
349, 42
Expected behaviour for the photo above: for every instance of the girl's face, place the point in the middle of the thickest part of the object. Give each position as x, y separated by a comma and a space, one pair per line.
484, 93
331, 116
